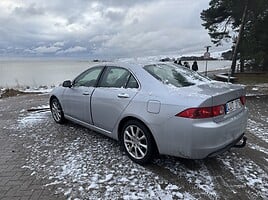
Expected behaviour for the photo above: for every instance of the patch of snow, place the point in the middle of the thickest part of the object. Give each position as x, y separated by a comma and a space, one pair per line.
249, 173
53, 183
27, 167
253, 94
81, 164
262, 85
200, 177
40, 107
258, 148
107, 178
258, 89
68, 192
89, 171
258, 129
38, 90
33, 173
32, 118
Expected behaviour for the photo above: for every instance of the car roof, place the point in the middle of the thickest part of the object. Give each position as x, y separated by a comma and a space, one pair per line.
134, 65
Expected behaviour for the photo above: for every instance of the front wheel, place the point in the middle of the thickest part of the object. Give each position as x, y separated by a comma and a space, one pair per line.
56, 111
137, 142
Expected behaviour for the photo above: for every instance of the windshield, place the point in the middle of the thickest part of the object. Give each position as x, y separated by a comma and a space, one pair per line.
175, 75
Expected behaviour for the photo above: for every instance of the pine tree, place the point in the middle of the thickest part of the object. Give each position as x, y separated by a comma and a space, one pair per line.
226, 18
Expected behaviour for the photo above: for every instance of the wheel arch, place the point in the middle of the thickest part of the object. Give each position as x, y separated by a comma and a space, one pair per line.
128, 118
52, 97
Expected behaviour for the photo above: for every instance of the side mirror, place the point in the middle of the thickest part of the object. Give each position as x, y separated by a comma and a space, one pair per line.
67, 84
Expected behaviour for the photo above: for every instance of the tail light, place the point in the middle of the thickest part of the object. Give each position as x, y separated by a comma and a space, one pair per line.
203, 112
243, 100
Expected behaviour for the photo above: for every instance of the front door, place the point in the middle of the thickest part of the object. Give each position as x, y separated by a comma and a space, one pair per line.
76, 102
116, 89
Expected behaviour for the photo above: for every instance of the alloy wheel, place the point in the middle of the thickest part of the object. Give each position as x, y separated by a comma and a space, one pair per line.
136, 142
56, 111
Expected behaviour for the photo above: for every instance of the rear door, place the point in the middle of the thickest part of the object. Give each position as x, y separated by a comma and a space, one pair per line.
116, 89
76, 100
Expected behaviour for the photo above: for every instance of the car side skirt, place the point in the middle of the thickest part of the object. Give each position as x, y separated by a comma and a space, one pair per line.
90, 126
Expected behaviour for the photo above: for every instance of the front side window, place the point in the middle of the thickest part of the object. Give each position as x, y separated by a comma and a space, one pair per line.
88, 78
115, 77
175, 75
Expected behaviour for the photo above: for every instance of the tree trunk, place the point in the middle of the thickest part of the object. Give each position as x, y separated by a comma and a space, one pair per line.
265, 63
242, 64
239, 39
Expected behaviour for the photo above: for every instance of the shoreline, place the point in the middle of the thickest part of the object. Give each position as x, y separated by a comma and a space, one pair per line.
13, 92
260, 89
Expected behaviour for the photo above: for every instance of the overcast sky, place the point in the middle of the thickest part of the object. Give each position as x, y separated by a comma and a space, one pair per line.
101, 29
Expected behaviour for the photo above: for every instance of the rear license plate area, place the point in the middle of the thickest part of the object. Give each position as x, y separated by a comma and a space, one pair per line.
232, 106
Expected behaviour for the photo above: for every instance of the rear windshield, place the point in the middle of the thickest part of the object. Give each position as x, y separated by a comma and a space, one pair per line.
175, 75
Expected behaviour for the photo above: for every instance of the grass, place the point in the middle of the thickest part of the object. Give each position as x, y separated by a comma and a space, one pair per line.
252, 78
12, 92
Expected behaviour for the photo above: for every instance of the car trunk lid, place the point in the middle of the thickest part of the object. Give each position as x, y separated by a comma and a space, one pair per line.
222, 93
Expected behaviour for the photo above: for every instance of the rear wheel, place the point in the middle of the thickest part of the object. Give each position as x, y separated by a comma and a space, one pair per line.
56, 111
137, 142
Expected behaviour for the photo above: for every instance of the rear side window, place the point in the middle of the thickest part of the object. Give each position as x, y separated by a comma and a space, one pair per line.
115, 77
132, 83
175, 75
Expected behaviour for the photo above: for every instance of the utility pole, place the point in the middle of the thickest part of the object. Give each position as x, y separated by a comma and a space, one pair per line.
239, 38
207, 56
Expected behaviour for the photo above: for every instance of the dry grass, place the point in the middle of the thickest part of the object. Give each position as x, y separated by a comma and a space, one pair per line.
11, 93
252, 78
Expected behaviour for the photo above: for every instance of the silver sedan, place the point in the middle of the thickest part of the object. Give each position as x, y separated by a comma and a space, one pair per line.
155, 108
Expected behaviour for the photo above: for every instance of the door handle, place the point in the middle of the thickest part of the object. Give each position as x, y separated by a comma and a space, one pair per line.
85, 93
123, 95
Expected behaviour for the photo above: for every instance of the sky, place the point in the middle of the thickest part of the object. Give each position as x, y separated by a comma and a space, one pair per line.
102, 28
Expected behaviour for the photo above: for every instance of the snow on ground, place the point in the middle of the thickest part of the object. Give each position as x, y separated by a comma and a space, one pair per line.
38, 90
16, 90
258, 148
257, 89
199, 176
79, 168
2, 91
259, 129
33, 117
82, 164
249, 173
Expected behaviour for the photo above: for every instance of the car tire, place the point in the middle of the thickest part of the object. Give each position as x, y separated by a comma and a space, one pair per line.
56, 110
137, 142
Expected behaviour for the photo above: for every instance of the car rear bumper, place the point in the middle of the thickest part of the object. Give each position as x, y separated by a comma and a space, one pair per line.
197, 139
229, 146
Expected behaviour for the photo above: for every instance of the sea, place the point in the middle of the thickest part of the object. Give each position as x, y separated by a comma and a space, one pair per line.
40, 73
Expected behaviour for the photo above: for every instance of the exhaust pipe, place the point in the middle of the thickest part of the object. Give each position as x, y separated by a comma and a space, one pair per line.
241, 145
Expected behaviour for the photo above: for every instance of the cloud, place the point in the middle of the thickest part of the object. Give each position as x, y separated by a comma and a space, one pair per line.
73, 50
59, 44
107, 28
44, 49
28, 11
